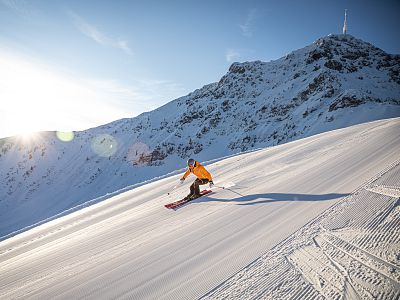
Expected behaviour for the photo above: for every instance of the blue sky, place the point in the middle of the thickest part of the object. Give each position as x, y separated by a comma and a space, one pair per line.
71, 65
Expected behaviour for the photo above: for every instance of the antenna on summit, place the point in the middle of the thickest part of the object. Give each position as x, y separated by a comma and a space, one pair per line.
345, 22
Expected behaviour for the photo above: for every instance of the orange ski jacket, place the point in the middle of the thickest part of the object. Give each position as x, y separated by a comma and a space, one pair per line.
199, 171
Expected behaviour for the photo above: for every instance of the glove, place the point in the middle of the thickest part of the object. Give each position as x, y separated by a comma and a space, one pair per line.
182, 180
211, 184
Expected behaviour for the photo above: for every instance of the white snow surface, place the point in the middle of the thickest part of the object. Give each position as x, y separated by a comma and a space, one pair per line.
316, 218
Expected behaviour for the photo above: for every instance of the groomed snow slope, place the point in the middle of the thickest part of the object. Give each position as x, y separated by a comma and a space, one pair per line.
318, 217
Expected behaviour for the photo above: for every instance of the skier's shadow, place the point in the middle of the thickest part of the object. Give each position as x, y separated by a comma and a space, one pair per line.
274, 197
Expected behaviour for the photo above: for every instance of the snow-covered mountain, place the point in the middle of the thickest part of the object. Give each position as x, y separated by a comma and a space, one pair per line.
335, 82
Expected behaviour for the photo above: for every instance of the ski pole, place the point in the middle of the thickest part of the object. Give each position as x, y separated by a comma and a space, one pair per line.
224, 188
172, 190
221, 187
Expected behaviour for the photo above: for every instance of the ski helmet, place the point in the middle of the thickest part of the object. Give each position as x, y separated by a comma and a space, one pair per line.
191, 162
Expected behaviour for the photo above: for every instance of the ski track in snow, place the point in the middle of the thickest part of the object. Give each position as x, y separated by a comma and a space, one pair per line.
351, 251
311, 219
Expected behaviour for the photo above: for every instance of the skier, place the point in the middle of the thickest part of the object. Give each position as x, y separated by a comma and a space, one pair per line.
203, 177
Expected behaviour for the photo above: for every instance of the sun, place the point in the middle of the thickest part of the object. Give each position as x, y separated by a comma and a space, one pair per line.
28, 137
25, 120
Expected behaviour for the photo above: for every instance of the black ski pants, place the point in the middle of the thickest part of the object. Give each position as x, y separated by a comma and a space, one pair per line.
195, 187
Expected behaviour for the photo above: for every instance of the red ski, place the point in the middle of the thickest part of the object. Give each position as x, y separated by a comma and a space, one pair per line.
179, 203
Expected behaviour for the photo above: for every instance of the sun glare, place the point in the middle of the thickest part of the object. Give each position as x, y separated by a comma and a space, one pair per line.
28, 137
36, 98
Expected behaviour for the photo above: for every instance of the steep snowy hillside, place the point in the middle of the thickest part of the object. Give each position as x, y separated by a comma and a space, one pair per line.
336, 82
316, 218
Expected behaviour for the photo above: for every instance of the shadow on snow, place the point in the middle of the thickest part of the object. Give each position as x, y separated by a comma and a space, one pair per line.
274, 197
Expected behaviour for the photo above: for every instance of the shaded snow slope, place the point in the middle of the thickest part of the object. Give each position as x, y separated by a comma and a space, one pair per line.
317, 217
333, 83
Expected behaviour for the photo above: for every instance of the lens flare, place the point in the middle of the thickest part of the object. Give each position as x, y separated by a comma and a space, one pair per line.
104, 145
65, 136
